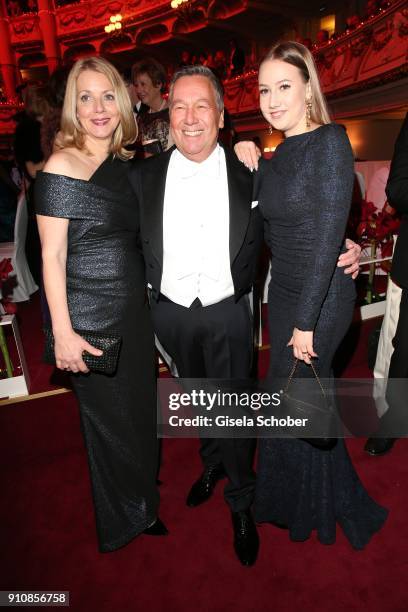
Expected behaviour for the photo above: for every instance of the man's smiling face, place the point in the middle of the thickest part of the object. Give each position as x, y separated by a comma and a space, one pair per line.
195, 118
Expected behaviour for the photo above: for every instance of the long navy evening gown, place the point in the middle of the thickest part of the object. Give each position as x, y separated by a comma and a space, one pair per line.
304, 194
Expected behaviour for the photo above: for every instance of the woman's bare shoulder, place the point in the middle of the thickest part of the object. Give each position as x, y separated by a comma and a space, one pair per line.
67, 162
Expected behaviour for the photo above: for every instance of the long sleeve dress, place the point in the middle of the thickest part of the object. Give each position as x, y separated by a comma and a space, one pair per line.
304, 195
106, 293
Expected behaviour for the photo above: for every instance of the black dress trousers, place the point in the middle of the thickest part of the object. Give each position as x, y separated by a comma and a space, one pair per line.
213, 342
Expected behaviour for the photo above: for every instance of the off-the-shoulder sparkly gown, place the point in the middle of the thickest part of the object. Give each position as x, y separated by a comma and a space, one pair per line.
304, 194
106, 292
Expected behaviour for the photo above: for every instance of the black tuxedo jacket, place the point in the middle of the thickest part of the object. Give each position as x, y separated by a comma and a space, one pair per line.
397, 193
148, 179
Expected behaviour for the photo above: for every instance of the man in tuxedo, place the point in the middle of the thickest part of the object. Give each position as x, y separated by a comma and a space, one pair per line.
201, 235
201, 239
397, 193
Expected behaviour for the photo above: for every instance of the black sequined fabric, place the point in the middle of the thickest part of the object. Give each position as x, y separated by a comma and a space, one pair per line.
304, 195
155, 126
106, 292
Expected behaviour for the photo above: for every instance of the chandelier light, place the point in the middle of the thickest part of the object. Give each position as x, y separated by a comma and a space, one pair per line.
175, 4
115, 24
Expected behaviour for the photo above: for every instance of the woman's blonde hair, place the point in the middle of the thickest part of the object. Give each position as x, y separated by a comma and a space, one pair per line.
72, 134
298, 55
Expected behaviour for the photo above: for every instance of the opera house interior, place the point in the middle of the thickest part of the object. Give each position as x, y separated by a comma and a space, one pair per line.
193, 88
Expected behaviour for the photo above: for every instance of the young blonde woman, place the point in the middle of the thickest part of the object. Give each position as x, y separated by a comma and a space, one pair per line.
304, 194
94, 280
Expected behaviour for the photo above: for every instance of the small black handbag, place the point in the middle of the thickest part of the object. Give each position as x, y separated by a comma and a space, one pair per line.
320, 413
108, 343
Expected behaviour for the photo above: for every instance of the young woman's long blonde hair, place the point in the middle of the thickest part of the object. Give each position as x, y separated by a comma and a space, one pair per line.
298, 55
72, 134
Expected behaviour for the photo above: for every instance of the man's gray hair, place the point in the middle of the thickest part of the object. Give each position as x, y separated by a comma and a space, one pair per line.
199, 71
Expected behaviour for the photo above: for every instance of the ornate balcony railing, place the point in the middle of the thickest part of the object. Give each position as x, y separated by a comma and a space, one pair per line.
83, 17
374, 53
145, 21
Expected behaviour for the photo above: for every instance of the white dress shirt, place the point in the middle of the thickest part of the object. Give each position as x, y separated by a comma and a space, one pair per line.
196, 259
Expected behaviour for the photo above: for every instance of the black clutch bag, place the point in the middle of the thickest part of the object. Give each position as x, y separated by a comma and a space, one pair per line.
319, 413
108, 343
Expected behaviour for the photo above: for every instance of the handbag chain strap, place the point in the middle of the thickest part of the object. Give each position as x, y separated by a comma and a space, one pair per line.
295, 364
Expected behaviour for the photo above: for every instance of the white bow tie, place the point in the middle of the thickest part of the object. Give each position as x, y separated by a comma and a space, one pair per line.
210, 167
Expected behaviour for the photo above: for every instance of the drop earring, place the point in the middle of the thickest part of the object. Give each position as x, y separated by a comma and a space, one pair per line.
270, 130
308, 112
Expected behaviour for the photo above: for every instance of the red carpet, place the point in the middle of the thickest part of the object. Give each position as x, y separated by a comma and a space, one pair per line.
49, 542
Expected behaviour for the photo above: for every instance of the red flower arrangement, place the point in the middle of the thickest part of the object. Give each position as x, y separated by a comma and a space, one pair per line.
10, 308
377, 226
373, 229
5, 269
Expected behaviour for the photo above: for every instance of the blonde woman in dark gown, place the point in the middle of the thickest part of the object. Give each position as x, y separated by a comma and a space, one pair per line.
94, 280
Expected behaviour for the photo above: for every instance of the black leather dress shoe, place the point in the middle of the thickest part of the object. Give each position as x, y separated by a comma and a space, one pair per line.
379, 446
157, 529
203, 488
246, 540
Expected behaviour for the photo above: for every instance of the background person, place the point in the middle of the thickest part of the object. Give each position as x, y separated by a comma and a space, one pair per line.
149, 79
397, 193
